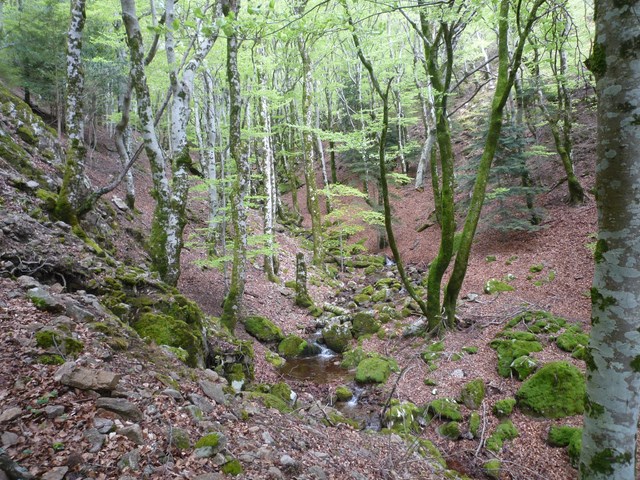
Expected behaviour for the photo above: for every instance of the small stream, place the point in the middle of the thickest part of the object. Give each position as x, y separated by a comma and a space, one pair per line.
323, 368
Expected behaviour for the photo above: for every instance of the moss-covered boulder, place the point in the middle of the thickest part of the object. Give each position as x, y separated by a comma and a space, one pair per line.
450, 430
274, 359
565, 436
402, 416
504, 408
365, 323
263, 329
282, 391
343, 394
538, 321
524, 366
167, 330
57, 342
445, 408
373, 370
472, 394
556, 390
570, 340
381, 295
474, 424
292, 346
508, 349
210, 444
505, 431
337, 336
361, 299
352, 358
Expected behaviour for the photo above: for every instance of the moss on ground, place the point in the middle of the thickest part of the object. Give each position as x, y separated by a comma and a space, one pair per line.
565, 436
556, 390
510, 349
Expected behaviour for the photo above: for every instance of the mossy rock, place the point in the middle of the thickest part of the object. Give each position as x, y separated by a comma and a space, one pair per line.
546, 321
474, 424
557, 390
492, 468
445, 408
179, 438
282, 391
263, 329
167, 330
368, 290
450, 430
274, 359
472, 394
337, 336
504, 408
50, 359
494, 285
214, 440
518, 335
373, 370
292, 346
509, 350
361, 299
569, 341
565, 436
49, 338
343, 394
505, 431
352, 358
524, 366
364, 323
403, 417
233, 468
427, 449
270, 401
380, 295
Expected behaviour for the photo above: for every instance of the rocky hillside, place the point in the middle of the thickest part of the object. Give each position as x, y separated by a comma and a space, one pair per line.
109, 373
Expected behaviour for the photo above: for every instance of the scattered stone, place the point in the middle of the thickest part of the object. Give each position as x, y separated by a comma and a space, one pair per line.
202, 403
130, 460
27, 282
215, 391
122, 407
56, 473
267, 438
213, 376
103, 425
416, 328
288, 462
54, 411
120, 204
12, 468
9, 439
179, 438
317, 473
95, 438
209, 476
176, 395
133, 433
86, 379
10, 414
43, 300
473, 393
274, 473
457, 373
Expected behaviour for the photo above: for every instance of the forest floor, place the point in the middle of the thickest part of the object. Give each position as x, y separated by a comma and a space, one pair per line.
563, 262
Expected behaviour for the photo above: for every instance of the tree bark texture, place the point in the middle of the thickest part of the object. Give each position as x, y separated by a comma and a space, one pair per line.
613, 363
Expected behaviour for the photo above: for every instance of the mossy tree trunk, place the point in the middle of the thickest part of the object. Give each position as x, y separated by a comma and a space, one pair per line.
75, 186
383, 94
234, 298
613, 363
302, 294
313, 203
507, 72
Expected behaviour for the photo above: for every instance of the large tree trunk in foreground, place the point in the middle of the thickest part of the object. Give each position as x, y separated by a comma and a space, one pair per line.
613, 364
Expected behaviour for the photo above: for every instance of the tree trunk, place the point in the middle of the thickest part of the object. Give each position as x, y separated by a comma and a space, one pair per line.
75, 185
234, 299
613, 365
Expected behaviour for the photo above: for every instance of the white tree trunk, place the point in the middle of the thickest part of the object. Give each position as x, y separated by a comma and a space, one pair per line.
613, 364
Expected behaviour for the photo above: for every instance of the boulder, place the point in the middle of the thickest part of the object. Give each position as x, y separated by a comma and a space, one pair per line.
337, 336
83, 378
122, 407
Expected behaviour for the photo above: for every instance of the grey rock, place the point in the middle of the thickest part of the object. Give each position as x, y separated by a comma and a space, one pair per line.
179, 438
267, 438
95, 438
103, 425
219, 459
10, 414
202, 403
211, 375
27, 282
119, 203
457, 373
56, 473
247, 457
214, 391
176, 395
209, 476
78, 313
45, 301
415, 328
195, 412
12, 468
133, 433
274, 473
122, 407
317, 473
204, 452
288, 462
86, 379
130, 460
9, 439
54, 411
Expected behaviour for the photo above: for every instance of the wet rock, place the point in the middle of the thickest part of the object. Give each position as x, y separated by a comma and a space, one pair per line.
10, 414
214, 391
133, 433
95, 438
86, 379
202, 403
54, 411
56, 473
122, 407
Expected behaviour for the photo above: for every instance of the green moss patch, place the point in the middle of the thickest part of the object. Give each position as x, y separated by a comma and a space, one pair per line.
373, 370
504, 408
505, 431
450, 430
292, 346
365, 323
570, 340
445, 408
510, 349
556, 390
167, 330
524, 366
263, 329
343, 394
544, 320
565, 436
337, 336
472, 394
494, 285
402, 416
474, 424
